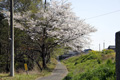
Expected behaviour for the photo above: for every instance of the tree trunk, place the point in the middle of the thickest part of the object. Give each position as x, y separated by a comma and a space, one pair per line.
0, 48
48, 58
43, 59
39, 65
43, 49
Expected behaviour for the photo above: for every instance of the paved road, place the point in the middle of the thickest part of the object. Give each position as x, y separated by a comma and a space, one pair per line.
58, 73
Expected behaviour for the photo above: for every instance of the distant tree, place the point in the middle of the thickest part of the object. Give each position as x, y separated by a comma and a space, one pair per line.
22, 5
4, 44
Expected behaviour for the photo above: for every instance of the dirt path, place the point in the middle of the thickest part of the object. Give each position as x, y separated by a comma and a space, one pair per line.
58, 73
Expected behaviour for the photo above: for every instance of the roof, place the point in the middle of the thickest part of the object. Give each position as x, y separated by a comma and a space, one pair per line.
87, 50
111, 47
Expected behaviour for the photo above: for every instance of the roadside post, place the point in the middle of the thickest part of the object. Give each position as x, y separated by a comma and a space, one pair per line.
26, 68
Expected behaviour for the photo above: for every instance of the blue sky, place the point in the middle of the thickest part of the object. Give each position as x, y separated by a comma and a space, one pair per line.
106, 25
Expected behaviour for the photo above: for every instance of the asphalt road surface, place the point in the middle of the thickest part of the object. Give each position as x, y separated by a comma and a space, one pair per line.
58, 73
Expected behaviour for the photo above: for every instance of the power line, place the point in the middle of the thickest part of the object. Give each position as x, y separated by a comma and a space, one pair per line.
103, 14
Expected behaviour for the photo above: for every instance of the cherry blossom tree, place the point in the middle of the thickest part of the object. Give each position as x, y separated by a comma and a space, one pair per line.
55, 25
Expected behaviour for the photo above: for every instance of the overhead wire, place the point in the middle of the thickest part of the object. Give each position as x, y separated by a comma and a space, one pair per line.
103, 14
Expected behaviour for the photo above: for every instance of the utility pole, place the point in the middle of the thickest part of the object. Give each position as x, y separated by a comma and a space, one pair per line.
12, 37
99, 47
103, 45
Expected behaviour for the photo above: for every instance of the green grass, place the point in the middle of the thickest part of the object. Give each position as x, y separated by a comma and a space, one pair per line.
32, 74
93, 66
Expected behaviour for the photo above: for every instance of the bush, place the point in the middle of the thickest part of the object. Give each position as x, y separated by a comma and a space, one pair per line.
68, 77
99, 61
109, 61
108, 51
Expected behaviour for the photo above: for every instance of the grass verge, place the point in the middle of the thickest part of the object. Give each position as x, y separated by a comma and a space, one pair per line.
93, 66
32, 74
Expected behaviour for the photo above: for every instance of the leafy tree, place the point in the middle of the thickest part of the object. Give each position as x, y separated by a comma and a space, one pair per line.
22, 5
4, 44
22, 48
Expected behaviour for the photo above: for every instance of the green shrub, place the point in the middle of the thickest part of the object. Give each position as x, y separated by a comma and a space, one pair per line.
95, 78
109, 61
99, 61
108, 51
90, 56
68, 77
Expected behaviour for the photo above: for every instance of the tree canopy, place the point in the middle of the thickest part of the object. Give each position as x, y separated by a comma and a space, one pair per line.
22, 5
